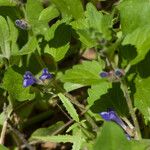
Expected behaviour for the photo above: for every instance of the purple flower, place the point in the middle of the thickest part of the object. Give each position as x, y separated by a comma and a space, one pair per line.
45, 75
104, 74
28, 79
111, 115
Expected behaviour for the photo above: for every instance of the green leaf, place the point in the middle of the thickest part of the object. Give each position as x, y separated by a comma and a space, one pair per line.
78, 141
57, 139
49, 35
69, 107
47, 131
96, 91
97, 21
49, 13
116, 136
86, 73
114, 98
142, 95
13, 35
7, 3
82, 29
4, 38
134, 14
2, 147
140, 39
57, 53
68, 86
70, 8
33, 10
58, 37
29, 47
12, 82
112, 137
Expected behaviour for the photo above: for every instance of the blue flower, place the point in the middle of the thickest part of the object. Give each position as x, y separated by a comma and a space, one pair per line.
45, 75
29, 79
111, 115
104, 74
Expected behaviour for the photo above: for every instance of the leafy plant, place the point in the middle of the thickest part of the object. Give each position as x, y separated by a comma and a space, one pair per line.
75, 74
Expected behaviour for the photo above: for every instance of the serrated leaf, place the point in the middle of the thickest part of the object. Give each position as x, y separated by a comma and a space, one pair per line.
12, 82
97, 21
4, 38
29, 47
47, 131
69, 107
49, 13
142, 96
57, 139
78, 141
70, 8
96, 91
86, 73
134, 14
140, 39
57, 53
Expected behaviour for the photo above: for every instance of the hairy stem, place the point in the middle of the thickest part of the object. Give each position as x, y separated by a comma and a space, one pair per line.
131, 109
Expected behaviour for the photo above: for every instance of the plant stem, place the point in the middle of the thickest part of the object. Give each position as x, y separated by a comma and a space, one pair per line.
2, 138
4, 128
131, 109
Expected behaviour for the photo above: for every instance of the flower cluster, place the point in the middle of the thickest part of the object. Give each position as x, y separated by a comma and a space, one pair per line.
111, 115
29, 79
113, 75
22, 24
